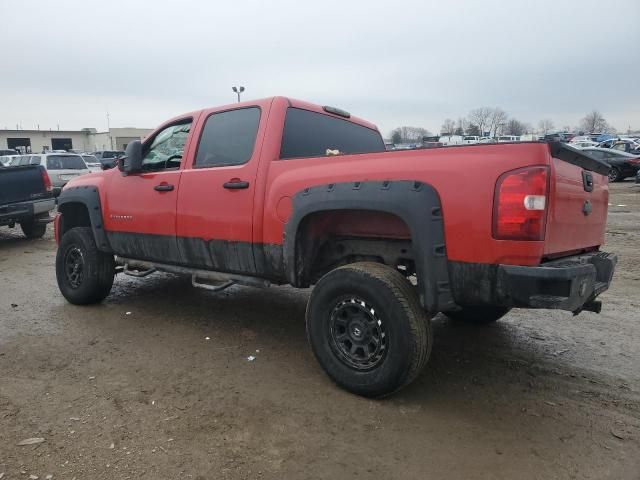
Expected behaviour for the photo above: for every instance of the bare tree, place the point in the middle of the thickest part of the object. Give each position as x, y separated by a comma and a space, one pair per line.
408, 134
545, 125
497, 121
594, 122
480, 117
447, 127
472, 129
515, 127
461, 126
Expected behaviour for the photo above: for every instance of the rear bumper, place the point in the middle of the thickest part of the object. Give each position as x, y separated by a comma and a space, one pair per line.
570, 283
36, 211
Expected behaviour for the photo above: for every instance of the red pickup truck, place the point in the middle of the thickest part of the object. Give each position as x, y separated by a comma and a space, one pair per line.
280, 191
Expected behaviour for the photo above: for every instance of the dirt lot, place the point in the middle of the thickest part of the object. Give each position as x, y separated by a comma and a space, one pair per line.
155, 383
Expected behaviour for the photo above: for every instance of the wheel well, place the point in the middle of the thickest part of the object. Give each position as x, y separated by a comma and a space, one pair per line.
74, 214
331, 238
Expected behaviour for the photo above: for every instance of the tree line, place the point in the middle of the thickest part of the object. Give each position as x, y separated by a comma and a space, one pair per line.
496, 122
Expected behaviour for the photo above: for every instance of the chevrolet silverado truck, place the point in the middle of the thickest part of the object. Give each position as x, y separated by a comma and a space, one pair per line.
280, 191
26, 198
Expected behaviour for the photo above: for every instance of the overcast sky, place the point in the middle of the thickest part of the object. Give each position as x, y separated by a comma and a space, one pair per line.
393, 62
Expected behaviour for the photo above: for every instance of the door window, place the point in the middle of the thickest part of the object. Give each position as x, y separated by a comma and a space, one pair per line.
228, 138
167, 148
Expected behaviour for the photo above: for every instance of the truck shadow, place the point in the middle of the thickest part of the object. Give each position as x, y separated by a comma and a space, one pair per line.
463, 356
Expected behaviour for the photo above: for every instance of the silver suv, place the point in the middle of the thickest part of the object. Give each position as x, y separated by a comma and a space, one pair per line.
61, 167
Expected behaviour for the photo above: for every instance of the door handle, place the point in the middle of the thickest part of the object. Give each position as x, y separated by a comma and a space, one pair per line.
163, 187
236, 184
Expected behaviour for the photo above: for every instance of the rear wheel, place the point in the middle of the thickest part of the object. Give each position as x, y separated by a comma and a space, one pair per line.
479, 315
367, 329
84, 273
33, 230
615, 175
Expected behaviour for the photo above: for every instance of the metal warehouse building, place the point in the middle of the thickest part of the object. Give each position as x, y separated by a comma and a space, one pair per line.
87, 139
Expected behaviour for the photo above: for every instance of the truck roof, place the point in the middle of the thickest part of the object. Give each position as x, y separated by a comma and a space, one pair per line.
292, 103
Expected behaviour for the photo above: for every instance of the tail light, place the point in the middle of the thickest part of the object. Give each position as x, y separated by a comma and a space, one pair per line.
634, 161
520, 204
46, 181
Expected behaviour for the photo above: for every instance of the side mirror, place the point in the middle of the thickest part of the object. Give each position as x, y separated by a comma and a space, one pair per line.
132, 160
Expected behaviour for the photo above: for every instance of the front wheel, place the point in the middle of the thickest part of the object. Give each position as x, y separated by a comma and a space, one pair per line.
479, 315
84, 273
615, 175
367, 329
33, 230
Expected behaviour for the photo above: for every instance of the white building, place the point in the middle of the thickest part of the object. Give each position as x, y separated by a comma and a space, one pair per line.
87, 139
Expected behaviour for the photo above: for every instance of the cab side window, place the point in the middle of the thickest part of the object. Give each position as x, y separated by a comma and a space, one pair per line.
228, 138
167, 148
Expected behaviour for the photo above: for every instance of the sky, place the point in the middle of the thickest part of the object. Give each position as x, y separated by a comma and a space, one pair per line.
395, 63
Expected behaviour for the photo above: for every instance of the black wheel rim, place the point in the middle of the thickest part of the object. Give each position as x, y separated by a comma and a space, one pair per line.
74, 266
357, 334
613, 174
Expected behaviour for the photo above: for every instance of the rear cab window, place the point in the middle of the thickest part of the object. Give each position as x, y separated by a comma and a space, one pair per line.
65, 162
312, 134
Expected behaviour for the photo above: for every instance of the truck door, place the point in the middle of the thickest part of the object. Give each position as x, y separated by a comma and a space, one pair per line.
216, 195
140, 208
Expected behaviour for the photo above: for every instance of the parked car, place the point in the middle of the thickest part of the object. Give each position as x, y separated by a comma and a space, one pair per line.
92, 162
613, 141
622, 164
529, 137
583, 144
26, 199
450, 140
108, 157
9, 151
582, 141
280, 191
557, 137
61, 167
470, 139
627, 145
5, 160
508, 138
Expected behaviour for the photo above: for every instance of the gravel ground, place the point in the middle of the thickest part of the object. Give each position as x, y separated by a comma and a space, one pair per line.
156, 383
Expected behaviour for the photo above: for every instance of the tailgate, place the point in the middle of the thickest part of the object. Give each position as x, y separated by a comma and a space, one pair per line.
21, 184
578, 202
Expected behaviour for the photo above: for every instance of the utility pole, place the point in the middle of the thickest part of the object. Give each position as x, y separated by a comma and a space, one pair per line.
238, 91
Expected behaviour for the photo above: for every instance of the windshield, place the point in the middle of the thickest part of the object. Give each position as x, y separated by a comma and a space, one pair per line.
65, 162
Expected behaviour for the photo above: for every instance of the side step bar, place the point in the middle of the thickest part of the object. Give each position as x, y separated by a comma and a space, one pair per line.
141, 268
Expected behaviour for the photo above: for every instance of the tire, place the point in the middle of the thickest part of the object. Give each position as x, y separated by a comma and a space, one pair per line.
33, 230
373, 307
84, 274
615, 175
479, 315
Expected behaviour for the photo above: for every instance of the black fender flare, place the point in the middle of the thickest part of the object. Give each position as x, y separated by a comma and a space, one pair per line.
416, 203
90, 198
